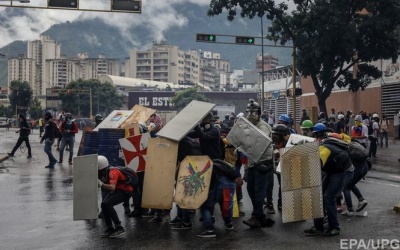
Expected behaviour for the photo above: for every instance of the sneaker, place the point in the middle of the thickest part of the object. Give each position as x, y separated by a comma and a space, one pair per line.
60, 161
70, 163
175, 221
270, 209
156, 219
361, 205
331, 232
135, 214
207, 234
50, 166
10, 155
348, 213
182, 226
313, 232
267, 222
252, 222
108, 233
29, 156
119, 230
127, 210
229, 226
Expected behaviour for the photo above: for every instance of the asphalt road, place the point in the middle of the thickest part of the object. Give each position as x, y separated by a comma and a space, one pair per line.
36, 213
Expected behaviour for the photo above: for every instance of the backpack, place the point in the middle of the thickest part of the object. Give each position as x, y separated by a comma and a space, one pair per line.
188, 146
370, 128
357, 152
130, 175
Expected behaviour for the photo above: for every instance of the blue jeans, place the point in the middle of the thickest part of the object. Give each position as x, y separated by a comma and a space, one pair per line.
67, 140
360, 170
47, 149
224, 197
384, 134
257, 187
332, 186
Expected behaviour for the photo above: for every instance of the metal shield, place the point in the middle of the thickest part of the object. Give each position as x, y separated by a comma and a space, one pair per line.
85, 206
248, 139
193, 181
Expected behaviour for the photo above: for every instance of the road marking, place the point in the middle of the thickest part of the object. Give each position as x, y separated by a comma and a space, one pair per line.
386, 184
395, 176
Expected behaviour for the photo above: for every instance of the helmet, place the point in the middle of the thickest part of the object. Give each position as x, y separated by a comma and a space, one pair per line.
307, 124
240, 115
358, 118
340, 116
253, 106
319, 127
284, 118
98, 117
102, 162
280, 129
375, 116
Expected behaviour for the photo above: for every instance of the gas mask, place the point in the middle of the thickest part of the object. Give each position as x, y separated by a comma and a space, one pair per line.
253, 111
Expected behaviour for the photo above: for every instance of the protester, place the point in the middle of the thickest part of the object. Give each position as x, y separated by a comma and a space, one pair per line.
49, 138
257, 172
373, 137
359, 131
41, 126
335, 161
68, 130
384, 128
24, 132
114, 191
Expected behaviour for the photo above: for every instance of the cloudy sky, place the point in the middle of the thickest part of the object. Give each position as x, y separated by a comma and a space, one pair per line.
159, 15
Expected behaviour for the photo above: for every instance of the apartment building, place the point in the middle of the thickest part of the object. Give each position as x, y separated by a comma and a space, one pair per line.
23, 69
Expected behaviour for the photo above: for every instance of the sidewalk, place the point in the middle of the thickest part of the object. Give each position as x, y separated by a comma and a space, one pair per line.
388, 158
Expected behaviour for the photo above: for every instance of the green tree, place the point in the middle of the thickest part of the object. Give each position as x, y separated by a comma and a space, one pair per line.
184, 97
104, 98
20, 96
3, 111
330, 37
35, 109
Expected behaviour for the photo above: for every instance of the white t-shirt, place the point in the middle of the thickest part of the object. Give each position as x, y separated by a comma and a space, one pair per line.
375, 127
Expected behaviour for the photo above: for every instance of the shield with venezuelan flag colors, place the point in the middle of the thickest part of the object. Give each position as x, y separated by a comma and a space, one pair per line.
193, 181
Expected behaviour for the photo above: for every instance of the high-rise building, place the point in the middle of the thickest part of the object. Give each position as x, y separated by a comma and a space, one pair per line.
164, 63
270, 62
213, 70
22, 69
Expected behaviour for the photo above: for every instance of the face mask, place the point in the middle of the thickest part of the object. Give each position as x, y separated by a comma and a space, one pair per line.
358, 123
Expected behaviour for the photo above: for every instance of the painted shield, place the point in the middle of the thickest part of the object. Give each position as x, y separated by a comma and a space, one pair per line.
193, 181
115, 119
134, 149
159, 180
301, 183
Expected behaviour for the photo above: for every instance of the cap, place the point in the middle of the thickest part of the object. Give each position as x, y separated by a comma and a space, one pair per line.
358, 118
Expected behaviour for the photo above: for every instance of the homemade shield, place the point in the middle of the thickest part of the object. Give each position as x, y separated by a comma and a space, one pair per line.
134, 150
159, 180
85, 205
193, 181
115, 119
295, 139
185, 120
248, 139
301, 183
140, 114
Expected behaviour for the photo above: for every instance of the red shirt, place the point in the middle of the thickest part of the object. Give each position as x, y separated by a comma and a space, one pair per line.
118, 178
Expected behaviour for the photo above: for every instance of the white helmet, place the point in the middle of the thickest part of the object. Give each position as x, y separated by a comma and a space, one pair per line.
375, 116
102, 162
340, 116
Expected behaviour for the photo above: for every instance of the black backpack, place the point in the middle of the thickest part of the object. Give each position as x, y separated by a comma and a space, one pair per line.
370, 128
188, 146
130, 175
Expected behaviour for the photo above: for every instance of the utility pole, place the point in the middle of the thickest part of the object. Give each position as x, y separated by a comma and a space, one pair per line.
262, 67
294, 87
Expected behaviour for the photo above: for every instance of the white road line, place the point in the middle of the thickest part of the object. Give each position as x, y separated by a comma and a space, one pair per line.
395, 176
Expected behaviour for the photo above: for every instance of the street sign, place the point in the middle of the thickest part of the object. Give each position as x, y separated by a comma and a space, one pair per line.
275, 94
206, 38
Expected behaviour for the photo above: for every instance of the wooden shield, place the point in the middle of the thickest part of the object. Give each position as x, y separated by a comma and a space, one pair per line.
193, 181
159, 180
140, 114
134, 150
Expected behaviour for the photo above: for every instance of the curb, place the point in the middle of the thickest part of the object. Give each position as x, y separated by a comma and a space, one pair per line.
4, 158
397, 208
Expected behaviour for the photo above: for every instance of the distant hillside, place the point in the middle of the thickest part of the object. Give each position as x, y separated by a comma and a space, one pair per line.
98, 37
